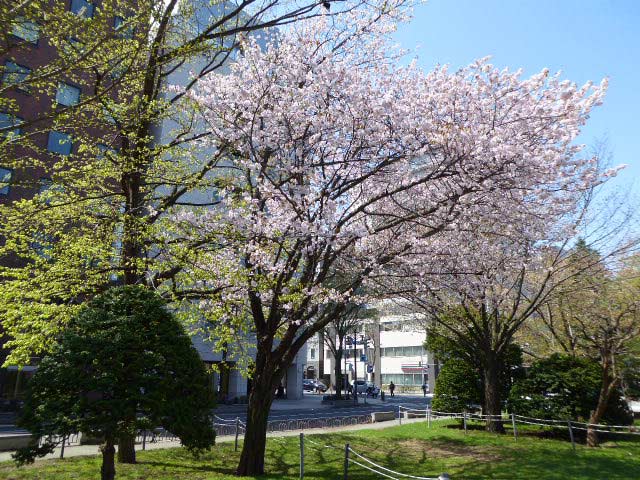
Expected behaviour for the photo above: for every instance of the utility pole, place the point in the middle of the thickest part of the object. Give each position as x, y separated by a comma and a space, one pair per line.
355, 367
377, 353
321, 355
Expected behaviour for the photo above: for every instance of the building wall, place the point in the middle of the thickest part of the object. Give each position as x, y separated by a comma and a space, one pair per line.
400, 353
26, 182
237, 385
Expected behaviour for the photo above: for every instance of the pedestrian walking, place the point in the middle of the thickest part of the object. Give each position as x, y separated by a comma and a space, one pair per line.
424, 389
392, 387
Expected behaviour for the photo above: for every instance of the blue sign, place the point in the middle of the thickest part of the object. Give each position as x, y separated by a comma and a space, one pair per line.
363, 358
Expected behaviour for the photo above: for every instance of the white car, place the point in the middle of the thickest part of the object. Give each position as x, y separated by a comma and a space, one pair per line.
363, 386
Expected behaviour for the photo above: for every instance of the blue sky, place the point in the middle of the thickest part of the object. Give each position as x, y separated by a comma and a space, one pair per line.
586, 40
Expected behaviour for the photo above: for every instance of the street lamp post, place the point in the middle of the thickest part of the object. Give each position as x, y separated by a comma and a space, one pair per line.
355, 368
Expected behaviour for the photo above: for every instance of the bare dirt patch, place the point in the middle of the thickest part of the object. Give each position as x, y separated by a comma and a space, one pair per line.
436, 449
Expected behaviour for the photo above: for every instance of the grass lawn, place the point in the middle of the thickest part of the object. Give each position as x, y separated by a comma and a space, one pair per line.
413, 449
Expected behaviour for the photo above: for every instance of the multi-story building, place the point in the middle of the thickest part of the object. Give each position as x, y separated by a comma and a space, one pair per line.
394, 343
28, 51
23, 50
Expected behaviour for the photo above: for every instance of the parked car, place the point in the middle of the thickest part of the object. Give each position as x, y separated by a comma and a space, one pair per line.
365, 387
361, 386
309, 385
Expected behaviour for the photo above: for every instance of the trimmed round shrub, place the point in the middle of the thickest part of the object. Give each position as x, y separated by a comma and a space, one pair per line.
562, 387
458, 387
123, 364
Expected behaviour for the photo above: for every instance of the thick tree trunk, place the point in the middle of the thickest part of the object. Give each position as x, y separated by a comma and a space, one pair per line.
253, 448
337, 369
608, 385
131, 232
108, 469
126, 449
492, 400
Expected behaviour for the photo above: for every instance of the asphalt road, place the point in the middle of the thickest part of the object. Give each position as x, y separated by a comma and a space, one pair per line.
231, 412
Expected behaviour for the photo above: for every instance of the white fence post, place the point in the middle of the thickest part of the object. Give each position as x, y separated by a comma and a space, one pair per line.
346, 461
573, 440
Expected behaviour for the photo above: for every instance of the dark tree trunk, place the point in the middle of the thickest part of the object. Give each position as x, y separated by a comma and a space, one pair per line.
607, 387
108, 469
131, 246
321, 355
492, 394
337, 370
253, 447
126, 449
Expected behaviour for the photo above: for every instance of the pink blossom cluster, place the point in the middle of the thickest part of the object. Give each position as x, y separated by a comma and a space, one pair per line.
331, 153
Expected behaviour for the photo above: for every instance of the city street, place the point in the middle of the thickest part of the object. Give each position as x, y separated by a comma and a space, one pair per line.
310, 406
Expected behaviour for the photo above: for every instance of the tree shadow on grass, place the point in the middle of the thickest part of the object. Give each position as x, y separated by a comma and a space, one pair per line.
182, 467
556, 464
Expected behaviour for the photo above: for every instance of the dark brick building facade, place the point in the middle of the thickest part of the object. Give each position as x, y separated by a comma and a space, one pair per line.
25, 50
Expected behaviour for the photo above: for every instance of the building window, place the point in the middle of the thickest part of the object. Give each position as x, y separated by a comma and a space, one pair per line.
410, 379
45, 184
44, 188
313, 354
109, 118
5, 180
7, 121
73, 47
42, 244
122, 30
59, 143
15, 74
104, 151
67, 95
26, 30
82, 8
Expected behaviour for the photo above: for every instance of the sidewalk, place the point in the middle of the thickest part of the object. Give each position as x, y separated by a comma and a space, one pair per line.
85, 450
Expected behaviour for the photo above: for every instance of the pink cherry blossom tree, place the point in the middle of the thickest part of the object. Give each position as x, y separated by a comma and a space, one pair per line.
333, 161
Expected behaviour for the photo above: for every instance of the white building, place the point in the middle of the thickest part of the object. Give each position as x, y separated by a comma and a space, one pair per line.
395, 352
229, 379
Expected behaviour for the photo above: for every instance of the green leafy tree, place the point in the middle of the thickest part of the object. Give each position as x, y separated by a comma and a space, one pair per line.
447, 349
563, 387
483, 339
458, 387
103, 216
631, 371
124, 363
